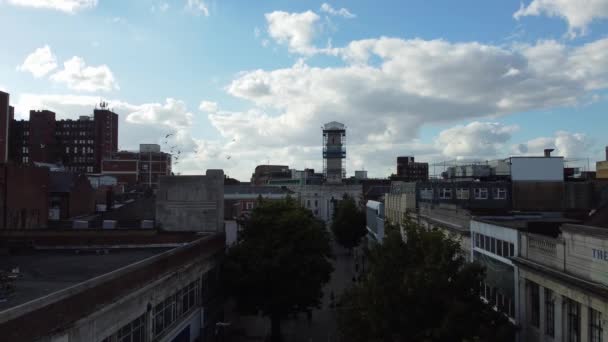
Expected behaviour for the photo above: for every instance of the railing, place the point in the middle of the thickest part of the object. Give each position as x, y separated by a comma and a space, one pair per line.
542, 245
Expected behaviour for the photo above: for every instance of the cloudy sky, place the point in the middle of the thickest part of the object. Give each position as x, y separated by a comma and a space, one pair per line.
242, 83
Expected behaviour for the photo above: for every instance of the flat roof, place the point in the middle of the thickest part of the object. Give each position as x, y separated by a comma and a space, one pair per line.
44, 272
49, 261
518, 222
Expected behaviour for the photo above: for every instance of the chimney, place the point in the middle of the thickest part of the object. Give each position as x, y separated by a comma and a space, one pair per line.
548, 152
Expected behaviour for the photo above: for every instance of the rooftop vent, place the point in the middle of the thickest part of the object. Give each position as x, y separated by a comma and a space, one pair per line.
548, 152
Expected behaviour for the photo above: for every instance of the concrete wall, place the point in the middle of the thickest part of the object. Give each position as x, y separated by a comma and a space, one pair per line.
537, 169
191, 203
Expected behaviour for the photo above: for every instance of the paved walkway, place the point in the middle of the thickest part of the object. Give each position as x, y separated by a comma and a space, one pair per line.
322, 326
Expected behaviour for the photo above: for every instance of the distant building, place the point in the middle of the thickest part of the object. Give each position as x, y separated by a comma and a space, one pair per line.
191, 203
79, 145
409, 170
242, 199
562, 285
109, 286
24, 197
399, 202
143, 167
263, 174
334, 152
362, 174
6, 116
601, 168
323, 199
374, 218
70, 195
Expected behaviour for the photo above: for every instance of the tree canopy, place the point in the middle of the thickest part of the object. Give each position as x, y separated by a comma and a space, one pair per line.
420, 290
281, 262
348, 224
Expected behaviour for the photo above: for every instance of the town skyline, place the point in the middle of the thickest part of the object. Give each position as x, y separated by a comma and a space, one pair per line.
534, 78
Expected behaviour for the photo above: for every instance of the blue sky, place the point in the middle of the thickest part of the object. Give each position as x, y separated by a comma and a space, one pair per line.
468, 79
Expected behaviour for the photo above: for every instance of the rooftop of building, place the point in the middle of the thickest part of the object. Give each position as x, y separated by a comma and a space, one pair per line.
85, 270
539, 224
247, 188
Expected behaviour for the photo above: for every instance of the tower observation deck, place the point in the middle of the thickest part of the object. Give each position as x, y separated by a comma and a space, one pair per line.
334, 152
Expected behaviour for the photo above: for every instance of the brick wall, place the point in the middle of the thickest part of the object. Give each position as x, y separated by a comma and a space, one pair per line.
23, 197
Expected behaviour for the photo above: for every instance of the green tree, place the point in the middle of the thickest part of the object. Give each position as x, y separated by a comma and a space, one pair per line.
348, 224
420, 290
280, 264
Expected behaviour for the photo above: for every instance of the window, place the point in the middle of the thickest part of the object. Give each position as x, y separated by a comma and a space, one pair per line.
67, 149
482, 241
24, 150
573, 327
511, 249
595, 325
25, 160
249, 205
316, 212
476, 240
487, 246
164, 315
426, 193
533, 289
462, 194
549, 313
307, 203
187, 296
499, 193
445, 193
89, 169
316, 203
135, 331
481, 193
499, 247
493, 245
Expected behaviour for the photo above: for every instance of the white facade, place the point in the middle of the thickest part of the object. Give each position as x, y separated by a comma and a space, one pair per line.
320, 199
563, 285
493, 245
537, 168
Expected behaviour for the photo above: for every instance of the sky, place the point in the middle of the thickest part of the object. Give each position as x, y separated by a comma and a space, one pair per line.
238, 83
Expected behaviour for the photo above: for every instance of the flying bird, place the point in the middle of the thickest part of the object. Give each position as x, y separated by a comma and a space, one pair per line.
228, 157
168, 135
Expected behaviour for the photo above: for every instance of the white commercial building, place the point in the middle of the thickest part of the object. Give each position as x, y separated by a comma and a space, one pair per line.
563, 285
322, 199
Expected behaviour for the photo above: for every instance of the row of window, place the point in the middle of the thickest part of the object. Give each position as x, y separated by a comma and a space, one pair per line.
82, 150
134, 331
80, 133
572, 310
495, 246
464, 193
174, 307
308, 204
502, 302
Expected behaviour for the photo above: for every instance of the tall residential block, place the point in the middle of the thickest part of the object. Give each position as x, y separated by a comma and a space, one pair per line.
79, 145
409, 170
334, 152
4, 125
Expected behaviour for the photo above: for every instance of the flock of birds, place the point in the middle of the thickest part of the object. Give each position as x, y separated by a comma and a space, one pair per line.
176, 153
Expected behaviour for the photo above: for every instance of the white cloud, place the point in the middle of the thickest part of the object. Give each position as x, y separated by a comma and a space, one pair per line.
68, 6
40, 62
409, 83
173, 113
342, 12
197, 7
208, 106
78, 76
566, 144
578, 13
296, 30
477, 139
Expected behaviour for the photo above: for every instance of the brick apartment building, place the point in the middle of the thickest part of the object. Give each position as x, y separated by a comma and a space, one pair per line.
80, 145
409, 170
138, 167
